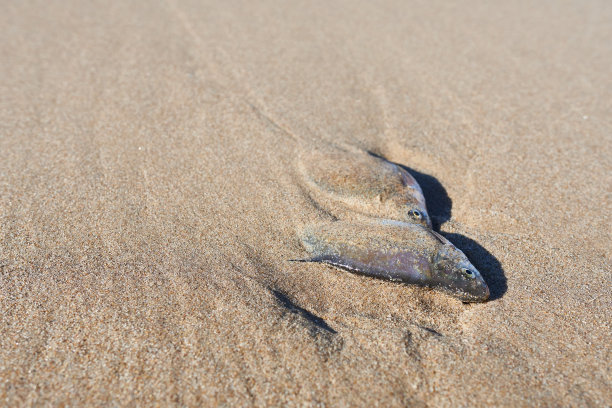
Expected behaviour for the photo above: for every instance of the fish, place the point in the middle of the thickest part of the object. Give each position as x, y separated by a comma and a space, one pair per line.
366, 184
396, 251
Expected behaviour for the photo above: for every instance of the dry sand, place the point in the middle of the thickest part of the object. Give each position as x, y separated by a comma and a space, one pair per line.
149, 201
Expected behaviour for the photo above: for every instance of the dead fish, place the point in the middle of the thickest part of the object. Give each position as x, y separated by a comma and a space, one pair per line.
367, 184
398, 251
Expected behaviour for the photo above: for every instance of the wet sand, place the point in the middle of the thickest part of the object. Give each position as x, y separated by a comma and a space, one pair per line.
150, 202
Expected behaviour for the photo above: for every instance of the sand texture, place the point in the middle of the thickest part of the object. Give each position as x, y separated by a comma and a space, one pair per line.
150, 201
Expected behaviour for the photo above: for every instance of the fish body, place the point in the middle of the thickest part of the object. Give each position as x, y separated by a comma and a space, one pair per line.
406, 252
365, 183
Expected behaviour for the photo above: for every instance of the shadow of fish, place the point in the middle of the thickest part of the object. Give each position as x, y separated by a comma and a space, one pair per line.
396, 251
365, 183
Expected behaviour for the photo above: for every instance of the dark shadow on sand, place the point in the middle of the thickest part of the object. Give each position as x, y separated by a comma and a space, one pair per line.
290, 306
439, 207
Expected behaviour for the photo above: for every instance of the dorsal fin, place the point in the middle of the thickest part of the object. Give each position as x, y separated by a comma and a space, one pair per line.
438, 237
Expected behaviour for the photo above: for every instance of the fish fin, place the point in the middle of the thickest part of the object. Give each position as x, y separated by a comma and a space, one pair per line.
438, 237
340, 265
327, 261
305, 260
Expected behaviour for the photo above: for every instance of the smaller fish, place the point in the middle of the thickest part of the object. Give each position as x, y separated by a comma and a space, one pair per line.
365, 183
398, 251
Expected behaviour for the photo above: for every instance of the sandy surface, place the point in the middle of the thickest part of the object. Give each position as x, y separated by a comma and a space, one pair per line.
149, 201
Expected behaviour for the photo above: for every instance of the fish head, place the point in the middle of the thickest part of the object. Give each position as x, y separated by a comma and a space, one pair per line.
418, 215
453, 273
413, 197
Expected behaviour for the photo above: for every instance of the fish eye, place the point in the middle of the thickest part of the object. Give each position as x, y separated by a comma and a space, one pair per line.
470, 274
415, 214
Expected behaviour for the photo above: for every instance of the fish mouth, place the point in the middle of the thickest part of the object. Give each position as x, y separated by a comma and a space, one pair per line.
468, 298
479, 296
487, 294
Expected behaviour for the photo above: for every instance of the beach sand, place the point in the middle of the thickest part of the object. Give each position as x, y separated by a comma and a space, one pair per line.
150, 202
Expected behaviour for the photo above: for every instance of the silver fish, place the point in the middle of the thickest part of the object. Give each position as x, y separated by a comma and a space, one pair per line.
366, 184
398, 251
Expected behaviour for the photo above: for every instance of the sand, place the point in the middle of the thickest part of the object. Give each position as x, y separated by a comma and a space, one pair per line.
149, 202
